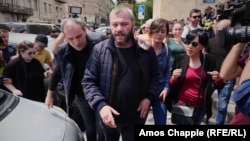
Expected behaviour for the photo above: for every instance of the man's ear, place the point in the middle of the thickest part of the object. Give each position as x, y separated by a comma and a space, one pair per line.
133, 26
84, 28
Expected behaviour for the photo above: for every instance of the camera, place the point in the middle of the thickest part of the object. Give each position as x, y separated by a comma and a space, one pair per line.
230, 36
239, 31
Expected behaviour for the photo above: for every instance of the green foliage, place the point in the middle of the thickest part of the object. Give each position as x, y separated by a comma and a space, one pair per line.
127, 1
148, 11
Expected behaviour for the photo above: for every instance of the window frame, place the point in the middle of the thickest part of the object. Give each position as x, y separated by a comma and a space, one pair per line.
208, 1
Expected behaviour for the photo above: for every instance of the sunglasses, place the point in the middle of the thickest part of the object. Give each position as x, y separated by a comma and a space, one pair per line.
194, 44
31, 53
199, 16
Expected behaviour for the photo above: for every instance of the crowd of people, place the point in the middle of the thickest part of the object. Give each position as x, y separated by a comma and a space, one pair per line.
116, 80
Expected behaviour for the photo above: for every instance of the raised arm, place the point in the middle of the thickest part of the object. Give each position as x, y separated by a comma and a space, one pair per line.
245, 73
230, 68
57, 42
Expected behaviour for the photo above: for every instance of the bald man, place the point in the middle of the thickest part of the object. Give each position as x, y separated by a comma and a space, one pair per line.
70, 66
220, 52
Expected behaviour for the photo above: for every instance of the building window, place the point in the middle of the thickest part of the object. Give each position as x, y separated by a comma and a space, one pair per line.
35, 5
57, 12
50, 8
30, 4
208, 1
60, 12
45, 7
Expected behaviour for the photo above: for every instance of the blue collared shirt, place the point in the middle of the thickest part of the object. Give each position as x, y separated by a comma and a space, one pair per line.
164, 67
241, 97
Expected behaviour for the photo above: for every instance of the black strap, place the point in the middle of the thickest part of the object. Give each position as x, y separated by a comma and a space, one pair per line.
199, 89
114, 76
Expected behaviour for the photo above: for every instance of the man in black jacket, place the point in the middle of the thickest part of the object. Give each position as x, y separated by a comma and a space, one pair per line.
71, 60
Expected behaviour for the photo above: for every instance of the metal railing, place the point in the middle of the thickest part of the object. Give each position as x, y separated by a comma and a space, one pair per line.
12, 8
63, 1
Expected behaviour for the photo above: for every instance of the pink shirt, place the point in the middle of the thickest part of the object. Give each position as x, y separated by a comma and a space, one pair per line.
190, 87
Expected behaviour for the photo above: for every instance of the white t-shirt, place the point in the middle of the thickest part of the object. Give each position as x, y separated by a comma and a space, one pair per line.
188, 28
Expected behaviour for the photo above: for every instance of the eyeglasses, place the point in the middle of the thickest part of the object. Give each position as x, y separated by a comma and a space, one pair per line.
199, 16
31, 53
194, 44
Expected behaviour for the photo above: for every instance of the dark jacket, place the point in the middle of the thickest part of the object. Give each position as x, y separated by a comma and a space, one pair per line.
97, 82
64, 66
8, 52
182, 61
22, 77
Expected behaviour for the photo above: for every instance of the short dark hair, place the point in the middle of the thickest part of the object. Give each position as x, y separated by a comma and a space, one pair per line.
202, 35
194, 11
157, 24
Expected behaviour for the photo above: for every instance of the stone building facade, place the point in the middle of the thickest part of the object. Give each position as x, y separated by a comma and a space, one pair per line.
46, 11
53, 11
93, 11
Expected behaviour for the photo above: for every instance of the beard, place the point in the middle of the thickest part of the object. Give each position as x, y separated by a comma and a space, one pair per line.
122, 38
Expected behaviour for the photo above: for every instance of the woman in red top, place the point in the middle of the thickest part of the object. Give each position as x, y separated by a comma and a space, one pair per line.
186, 71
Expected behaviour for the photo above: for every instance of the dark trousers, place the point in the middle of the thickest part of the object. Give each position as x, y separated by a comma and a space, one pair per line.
91, 120
126, 130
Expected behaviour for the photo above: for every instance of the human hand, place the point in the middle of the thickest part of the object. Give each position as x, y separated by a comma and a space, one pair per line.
163, 95
215, 75
144, 42
106, 114
176, 73
48, 73
144, 107
49, 100
17, 92
7, 80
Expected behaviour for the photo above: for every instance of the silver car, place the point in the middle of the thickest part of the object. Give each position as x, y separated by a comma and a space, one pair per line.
103, 30
22, 119
16, 38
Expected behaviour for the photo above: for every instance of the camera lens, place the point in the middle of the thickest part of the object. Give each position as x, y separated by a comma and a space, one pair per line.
238, 34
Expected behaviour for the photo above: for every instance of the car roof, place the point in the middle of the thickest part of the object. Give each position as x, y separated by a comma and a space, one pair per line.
33, 28
27, 23
16, 38
103, 27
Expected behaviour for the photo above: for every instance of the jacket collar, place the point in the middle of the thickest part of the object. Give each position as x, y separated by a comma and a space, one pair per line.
111, 45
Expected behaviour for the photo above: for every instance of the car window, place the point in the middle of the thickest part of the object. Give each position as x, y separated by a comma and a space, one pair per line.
16, 27
31, 28
102, 29
40, 29
1, 96
13, 27
7, 103
4, 26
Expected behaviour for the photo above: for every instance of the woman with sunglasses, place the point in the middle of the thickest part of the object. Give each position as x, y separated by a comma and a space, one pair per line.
26, 73
185, 87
